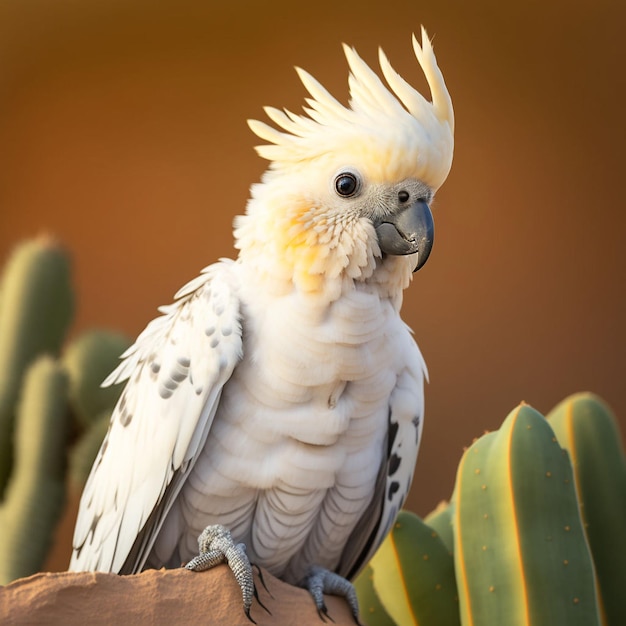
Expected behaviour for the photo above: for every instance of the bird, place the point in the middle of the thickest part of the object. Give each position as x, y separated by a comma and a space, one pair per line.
272, 413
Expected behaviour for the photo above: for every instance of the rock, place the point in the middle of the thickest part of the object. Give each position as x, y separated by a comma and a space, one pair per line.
175, 596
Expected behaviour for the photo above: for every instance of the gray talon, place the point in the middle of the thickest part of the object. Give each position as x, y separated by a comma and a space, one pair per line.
216, 545
320, 581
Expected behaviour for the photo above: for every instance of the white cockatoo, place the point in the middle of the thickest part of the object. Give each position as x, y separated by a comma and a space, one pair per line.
279, 402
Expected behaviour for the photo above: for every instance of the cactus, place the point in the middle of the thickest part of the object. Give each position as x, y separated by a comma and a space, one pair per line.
36, 490
89, 360
521, 555
372, 610
413, 576
585, 427
36, 311
84, 451
440, 520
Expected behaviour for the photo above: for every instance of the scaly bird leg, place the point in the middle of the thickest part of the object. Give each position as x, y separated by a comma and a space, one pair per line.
319, 581
216, 545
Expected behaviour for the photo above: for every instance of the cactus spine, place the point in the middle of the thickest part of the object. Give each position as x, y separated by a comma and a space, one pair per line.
586, 428
520, 551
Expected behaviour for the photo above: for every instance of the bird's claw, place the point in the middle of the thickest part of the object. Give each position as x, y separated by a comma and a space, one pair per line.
319, 581
259, 572
216, 545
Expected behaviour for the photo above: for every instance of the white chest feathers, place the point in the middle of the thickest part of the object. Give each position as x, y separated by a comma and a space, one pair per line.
300, 433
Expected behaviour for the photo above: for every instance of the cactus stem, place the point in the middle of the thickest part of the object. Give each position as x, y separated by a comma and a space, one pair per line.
516, 529
510, 553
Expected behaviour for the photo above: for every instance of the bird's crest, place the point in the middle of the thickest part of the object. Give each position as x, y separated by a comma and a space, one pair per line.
415, 136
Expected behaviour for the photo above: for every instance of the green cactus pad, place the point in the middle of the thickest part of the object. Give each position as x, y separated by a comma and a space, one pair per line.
520, 550
585, 426
414, 575
36, 491
372, 611
441, 520
36, 311
89, 360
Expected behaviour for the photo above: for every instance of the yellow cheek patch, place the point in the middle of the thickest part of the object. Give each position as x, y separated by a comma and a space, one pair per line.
314, 250
299, 249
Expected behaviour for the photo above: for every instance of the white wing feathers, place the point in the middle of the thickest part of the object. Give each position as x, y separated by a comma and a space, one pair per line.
176, 370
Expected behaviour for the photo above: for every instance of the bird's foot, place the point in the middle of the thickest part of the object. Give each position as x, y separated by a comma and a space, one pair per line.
216, 545
319, 581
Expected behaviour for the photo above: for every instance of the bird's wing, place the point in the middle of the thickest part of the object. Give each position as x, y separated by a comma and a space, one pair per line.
176, 370
406, 413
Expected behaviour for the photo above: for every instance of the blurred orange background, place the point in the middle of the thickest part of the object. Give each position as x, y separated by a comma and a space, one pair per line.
122, 133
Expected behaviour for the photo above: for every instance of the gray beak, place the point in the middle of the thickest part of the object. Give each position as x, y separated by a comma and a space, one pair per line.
409, 231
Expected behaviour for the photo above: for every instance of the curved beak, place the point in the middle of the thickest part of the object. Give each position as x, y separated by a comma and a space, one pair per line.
408, 231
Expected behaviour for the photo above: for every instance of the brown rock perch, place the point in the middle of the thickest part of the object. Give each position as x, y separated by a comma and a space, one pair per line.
154, 597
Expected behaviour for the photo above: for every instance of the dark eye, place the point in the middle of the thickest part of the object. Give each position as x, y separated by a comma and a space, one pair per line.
403, 195
346, 184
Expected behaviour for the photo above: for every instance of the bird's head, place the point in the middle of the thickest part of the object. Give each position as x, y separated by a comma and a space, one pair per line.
346, 197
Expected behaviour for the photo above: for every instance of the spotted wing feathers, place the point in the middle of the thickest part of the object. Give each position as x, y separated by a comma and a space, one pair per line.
406, 410
175, 370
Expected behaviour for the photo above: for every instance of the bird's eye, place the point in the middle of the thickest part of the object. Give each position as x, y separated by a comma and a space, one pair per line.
346, 184
403, 195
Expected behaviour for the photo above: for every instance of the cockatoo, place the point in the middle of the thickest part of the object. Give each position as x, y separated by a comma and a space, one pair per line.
278, 402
